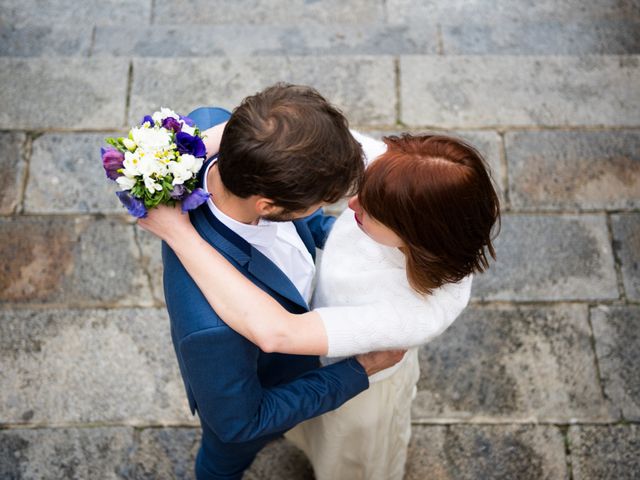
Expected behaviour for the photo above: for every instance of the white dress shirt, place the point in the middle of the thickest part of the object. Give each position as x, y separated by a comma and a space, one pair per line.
278, 241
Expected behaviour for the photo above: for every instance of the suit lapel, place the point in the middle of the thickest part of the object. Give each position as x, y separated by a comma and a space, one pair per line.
307, 238
244, 254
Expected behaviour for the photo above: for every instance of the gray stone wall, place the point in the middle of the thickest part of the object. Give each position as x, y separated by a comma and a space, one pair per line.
537, 379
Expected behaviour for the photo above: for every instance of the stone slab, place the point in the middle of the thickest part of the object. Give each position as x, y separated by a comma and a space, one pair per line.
230, 40
66, 176
473, 452
75, 261
527, 36
605, 452
73, 13
44, 40
164, 453
360, 85
626, 244
503, 11
550, 257
151, 257
13, 168
63, 366
471, 91
280, 459
278, 12
555, 170
617, 334
73, 453
512, 364
62, 93
520, 27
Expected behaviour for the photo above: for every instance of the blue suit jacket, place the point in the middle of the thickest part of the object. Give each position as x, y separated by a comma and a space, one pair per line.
245, 397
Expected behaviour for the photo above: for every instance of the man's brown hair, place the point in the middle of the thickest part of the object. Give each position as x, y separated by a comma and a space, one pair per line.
435, 192
288, 144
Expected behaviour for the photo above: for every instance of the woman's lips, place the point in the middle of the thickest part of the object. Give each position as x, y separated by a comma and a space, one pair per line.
355, 215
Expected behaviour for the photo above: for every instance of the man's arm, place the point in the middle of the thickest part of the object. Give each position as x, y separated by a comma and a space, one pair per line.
221, 368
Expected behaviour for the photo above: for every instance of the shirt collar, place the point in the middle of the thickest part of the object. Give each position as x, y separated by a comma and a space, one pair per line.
262, 234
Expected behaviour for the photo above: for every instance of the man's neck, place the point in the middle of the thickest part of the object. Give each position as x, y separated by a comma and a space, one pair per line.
232, 206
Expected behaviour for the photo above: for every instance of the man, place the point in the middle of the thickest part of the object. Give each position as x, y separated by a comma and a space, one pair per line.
285, 152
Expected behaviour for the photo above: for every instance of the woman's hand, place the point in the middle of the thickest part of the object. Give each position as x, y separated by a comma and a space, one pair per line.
168, 223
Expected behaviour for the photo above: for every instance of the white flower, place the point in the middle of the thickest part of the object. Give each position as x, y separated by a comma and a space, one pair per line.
164, 113
151, 184
131, 164
148, 164
191, 163
180, 171
151, 138
126, 183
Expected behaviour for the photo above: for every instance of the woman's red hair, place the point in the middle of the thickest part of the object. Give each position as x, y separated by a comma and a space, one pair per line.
436, 194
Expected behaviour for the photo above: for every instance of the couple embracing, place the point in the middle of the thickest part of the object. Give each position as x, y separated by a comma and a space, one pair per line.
260, 353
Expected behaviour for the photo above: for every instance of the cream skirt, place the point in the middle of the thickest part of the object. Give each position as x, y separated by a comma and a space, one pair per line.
367, 437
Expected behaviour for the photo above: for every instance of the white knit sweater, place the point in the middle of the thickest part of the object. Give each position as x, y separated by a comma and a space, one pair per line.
364, 298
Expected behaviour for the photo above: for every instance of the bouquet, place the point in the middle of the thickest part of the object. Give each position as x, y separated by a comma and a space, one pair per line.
157, 163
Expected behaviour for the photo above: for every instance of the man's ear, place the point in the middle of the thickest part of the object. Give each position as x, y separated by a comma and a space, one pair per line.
265, 206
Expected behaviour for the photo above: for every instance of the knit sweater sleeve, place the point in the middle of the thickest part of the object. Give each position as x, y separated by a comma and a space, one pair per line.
397, 321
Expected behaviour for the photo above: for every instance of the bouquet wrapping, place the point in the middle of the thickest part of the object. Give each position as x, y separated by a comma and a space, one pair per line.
157, 163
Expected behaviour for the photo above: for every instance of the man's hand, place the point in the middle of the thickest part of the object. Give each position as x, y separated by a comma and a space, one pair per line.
373, 362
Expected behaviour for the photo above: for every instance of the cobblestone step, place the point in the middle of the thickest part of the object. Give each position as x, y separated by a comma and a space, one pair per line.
66, 367
549, 37
465, 452
513, 364
66, 260
359, 85
462, 92
469, 91
550, 258
62, 93
563, 170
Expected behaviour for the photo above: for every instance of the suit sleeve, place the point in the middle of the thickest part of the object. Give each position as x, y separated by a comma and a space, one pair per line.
221, 368
320, 225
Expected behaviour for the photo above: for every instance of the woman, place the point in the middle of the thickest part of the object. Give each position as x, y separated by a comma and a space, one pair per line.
394, 274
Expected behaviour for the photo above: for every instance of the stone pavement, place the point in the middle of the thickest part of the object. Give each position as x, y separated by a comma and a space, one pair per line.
537, 379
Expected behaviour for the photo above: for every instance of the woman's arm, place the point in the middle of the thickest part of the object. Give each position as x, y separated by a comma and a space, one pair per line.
402, 319
399, 319
242, 305
212, 137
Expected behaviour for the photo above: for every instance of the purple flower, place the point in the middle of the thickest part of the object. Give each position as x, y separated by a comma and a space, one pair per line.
134, 206
178, 192
147, 118
187, 120
195, 199
171, 123
189, 144
112, 161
